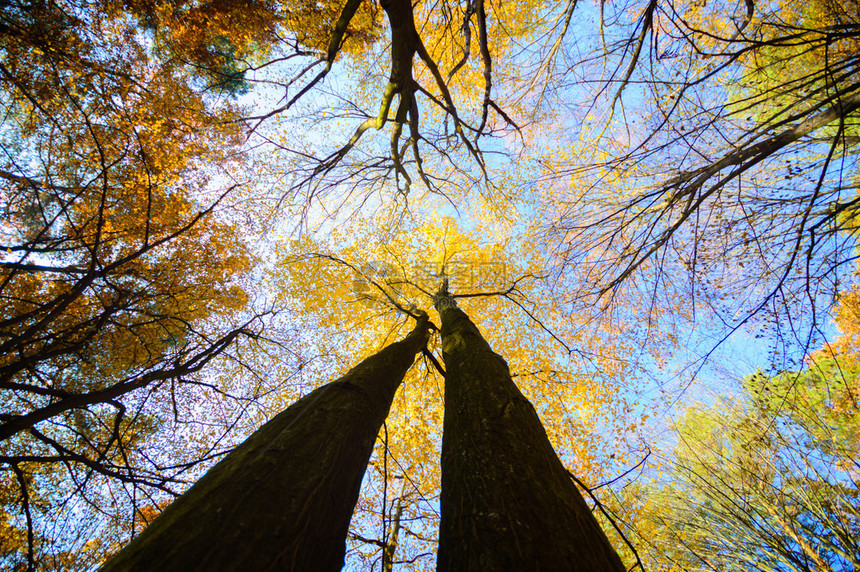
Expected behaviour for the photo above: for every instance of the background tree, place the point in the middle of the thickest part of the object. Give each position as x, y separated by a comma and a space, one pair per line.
422, 106
218, 43
121, 273
730, 177
768, 479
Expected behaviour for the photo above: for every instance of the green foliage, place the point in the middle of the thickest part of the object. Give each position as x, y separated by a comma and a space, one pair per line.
768, 479
227, 67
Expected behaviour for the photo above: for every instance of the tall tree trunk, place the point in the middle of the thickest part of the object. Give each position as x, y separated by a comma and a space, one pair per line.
507, 501
283, 499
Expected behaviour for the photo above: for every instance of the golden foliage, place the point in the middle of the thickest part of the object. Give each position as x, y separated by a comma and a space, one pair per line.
358, 287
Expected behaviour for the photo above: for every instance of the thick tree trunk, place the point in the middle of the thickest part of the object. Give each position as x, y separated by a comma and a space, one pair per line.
283, 499
507, 501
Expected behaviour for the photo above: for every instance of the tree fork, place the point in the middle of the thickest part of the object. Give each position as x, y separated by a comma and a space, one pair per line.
507, 502
283, 499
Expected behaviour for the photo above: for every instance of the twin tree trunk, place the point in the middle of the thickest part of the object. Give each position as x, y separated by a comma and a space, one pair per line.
284, 498
507, 502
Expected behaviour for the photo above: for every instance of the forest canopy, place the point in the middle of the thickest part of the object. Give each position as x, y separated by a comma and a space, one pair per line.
210, 209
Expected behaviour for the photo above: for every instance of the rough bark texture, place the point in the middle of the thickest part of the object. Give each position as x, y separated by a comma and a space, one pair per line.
284, 498
507, 501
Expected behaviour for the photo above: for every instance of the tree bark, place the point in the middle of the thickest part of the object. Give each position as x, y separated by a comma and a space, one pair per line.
283, 499
507, 502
